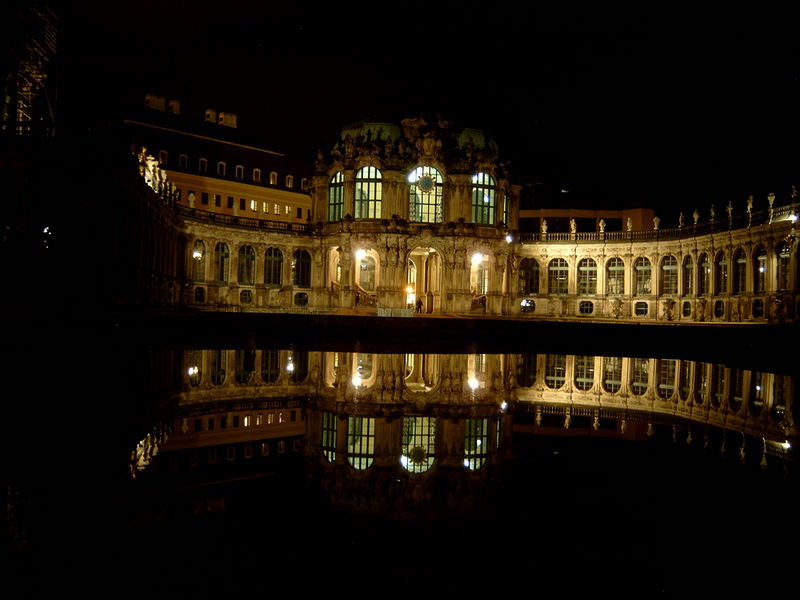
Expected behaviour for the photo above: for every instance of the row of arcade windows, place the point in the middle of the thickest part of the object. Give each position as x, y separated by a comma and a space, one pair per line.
222, 170
273, 265
273, 363
425, 196
558, 272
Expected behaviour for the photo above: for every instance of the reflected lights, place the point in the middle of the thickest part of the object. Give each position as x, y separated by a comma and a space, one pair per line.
361, 253
473, 383
477, 259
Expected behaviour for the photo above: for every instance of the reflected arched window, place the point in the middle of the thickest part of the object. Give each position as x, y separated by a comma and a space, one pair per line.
484, 190
297, 365
639, 368
222, 260
366, 273
615, 277
737, 389
669, 275
555, 370
666, 377
328, 437
425, 201
688, 276
758, 392
219, 366
739, 271
245, 365
612, 374
360, 442
417, 451
782, 261
703, 275
247, 265
685, 379
641, 276
336, 197
273, 267
199, 261
270, 365
557, 277
301, 269
528, 276
584, 372
721, 274
194, 370
717, 384
587, 277
476, 443
760, 270
368, 193
525, 373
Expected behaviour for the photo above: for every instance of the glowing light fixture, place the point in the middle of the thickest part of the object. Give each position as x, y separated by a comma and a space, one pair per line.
503, 405
509, 238
793, 217
477, 259
473, 383
361, 253
197, 255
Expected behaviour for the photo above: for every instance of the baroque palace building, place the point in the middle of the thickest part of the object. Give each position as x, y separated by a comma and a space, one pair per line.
421, 216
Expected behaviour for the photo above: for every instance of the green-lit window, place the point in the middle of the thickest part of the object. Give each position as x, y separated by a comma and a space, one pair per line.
328, 441
584, 372
273, 267
360, 442
615, 277
368, 193
669, 275
587, 277
484, 190
336, 197
476, 443
425, 201
247, 265
557, 277
301, 269
418, 443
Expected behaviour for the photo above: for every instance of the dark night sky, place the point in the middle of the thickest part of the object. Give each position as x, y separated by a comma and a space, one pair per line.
653, 108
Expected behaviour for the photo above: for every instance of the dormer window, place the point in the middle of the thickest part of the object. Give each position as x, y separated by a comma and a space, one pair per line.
202, 166
239, 172
220, 169
183, 161
289, 181
304, 184
256, 175
273, 178
162, 157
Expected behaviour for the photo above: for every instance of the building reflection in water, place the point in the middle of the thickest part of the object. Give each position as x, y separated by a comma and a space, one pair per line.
376, 431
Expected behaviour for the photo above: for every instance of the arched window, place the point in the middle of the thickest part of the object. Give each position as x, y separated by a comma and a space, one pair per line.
368, 193
669, 275
336, 197
528, 276
587, 276
222, 259
270, 365
273, 267
328, 438
615, 277
366, 273
256, 175
555, 370
219, 366
162, 158
244, 367
239, 172
195, 367
612, 374
760, 270
721, 274
183, 161
641, 276
301, 269
297, 365
484, 190
360, 442
417, 452
199, 261
525, 373
425, 201
688, 276
584, 372
273, 178
476, 443
782, 261
202, 166
290, 181
666, 377
703, 275
739, 271
639, 370
247, 265
220, 169
557, 277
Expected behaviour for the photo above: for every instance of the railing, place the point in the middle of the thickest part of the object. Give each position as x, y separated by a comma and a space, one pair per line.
755, 219
243, 222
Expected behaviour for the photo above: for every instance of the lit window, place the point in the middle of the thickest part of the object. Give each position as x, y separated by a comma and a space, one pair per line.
328, 441
336, 197
276, 209
256, 175
587, 277
615, 277
528, 276
253, 205
425, 201
418, 443
221, 169
641, 272
669, 275
239, 172
584, 372
476, 443
557, 277
484, 190
289, 181
555, 370
368, 193
360, 441
273, 178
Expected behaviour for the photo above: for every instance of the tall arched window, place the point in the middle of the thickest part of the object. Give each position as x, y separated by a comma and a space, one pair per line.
615, 277
703, 275
641, 276
721, 274
669, 275
484, 190
273, 267
612, 373
247, 265
368, 193
476, 443
418, 443
557, 277
199, 261
425, 201
528, 276
525, 373
739, 271
270, 365
760, 270
587, 276
222, 259
782, 260
301, 267
336, 197
639, 370
219, 366
360, 441
688, 276
584, 372
666, 377
555, 370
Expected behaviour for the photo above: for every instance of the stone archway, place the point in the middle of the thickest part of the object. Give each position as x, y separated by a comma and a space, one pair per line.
424, 265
